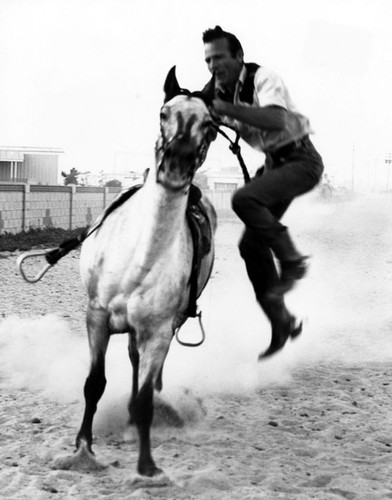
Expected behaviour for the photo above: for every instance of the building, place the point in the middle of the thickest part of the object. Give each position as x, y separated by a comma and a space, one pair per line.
225, 179
29, 165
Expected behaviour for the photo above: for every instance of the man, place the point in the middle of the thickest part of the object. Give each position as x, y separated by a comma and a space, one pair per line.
256, 101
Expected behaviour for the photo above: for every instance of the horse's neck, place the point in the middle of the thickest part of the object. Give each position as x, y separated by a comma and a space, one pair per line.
163, 215
167, 209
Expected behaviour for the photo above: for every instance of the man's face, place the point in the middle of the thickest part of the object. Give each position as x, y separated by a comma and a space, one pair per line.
222, 64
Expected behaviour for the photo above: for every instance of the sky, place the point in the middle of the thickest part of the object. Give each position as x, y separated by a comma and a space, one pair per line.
86, 76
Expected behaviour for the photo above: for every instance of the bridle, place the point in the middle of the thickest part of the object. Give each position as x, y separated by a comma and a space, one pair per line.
163, 144
217, 125
172, 88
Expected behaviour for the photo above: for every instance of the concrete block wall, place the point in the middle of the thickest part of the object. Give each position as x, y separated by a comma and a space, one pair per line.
11, 208
47, 208
25, 206
88, 203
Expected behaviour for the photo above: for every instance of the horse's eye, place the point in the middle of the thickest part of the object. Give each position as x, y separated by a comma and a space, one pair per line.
163, 115
211, 130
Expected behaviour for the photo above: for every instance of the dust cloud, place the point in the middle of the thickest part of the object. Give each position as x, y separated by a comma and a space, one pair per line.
344, 302
41, 354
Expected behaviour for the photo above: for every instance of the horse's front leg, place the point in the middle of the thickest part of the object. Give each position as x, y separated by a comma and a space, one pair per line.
134, 357
142, 411
98, 335
141, 408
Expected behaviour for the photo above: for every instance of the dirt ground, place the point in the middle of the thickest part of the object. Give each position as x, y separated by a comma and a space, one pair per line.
313, 422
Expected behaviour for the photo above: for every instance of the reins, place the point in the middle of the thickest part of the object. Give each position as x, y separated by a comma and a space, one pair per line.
234, 147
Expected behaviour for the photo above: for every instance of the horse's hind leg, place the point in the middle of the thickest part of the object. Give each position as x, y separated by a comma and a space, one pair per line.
98, 335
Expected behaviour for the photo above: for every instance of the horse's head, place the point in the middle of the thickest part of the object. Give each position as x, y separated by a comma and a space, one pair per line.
186, 132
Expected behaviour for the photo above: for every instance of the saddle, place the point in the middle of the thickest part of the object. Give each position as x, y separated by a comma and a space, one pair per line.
199, 225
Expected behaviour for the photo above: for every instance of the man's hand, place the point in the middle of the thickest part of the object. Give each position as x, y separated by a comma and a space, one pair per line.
263, 118
220, 106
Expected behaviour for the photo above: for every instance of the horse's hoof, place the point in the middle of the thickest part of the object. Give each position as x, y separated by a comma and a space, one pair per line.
81, 460
150, 471
158, 481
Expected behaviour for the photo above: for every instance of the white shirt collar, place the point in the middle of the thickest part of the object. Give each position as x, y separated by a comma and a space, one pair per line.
239, 83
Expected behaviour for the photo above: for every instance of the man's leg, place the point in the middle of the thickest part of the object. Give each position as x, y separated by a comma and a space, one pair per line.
255, 205
263, 275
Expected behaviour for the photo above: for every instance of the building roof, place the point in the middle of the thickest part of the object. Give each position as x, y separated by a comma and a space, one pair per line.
15, 153
11, 155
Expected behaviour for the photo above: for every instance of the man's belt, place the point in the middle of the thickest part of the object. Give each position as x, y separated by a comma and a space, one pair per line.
289, 148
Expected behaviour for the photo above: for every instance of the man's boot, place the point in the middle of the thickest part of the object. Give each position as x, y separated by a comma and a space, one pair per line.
293, 265
284, 324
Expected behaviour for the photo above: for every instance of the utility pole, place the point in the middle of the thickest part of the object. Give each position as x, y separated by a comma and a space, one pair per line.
388, 162
352, 166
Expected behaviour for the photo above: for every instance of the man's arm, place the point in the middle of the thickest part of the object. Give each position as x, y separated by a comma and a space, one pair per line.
268, 117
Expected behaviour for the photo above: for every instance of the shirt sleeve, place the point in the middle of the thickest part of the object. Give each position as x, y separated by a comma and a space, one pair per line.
270, 88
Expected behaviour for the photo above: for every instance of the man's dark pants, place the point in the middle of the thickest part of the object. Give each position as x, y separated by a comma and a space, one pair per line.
261, 203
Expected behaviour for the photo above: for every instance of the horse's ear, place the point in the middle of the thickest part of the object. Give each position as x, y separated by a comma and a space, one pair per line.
171, 86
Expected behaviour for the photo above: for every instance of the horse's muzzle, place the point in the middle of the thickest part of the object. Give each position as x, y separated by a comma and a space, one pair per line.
178, 163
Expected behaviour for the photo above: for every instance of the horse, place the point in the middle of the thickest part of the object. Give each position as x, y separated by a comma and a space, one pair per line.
136, 268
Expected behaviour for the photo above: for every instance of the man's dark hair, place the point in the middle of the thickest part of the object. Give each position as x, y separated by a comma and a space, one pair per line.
217, 33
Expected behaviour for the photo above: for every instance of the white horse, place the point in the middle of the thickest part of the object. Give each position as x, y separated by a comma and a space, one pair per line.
137, 265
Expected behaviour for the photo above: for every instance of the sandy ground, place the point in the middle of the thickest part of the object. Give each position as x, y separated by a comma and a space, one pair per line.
314, 422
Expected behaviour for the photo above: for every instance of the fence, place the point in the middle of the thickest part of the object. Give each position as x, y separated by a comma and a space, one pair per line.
28, 206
